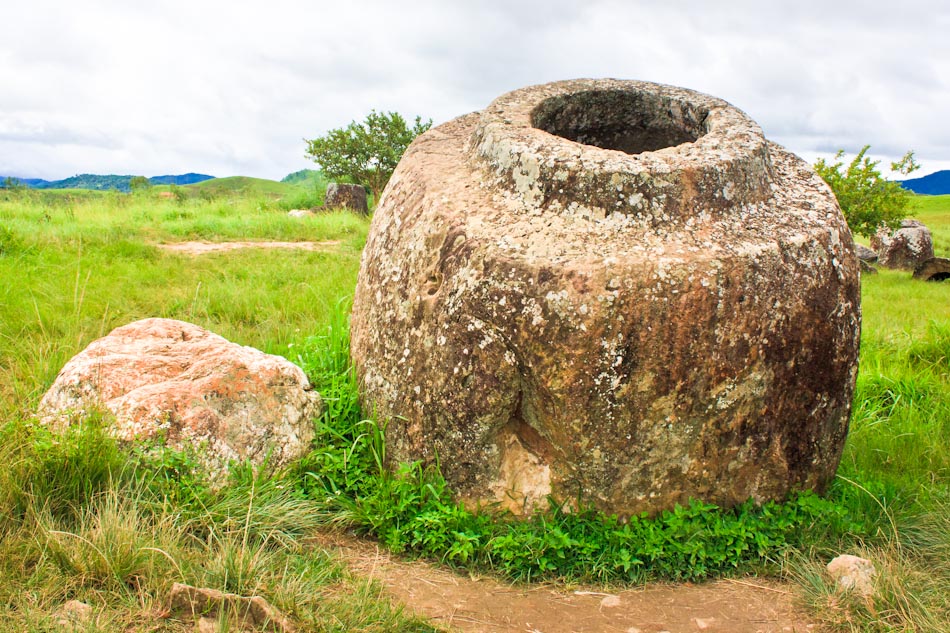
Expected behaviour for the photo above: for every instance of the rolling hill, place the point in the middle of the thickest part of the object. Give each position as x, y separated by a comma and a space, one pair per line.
935, 184
108, 182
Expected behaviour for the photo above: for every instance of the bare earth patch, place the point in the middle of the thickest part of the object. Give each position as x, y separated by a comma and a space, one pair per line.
201, 247
481, 603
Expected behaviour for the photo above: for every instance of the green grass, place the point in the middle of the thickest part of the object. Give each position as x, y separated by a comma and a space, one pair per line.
934, 211
77, 271
80, 518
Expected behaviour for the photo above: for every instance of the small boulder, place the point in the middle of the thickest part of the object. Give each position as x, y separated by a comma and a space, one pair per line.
934, 269
344, 196
864, 253
853, 573
175, 380
208, 604
867, 268
74, 616
907, 248
300, 213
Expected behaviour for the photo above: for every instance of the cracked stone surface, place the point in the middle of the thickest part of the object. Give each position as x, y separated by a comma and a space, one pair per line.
162, 378
609, 291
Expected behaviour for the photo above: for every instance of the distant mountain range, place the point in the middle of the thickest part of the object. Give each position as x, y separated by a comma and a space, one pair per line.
935, 184
105, 183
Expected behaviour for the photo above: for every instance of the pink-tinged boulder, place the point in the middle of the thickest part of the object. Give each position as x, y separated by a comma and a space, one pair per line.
612, 292
853, 573
907, 247
190, 387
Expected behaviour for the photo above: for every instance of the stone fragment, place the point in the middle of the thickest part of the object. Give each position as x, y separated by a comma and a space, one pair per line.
208, 625
344, 196
864, 253
300, 213
906, 248
608, 602
853, 573
933, 269
168, 379
74, 616
208, 604
609, 291
867, 268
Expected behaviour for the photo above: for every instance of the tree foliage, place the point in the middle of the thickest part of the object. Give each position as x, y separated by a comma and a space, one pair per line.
367, 152
13, 184
866, 198
139, 183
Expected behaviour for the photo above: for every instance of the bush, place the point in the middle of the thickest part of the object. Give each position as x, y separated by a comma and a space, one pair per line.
867, 200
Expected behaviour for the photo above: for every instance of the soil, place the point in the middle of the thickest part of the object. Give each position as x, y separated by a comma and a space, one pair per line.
457, 602
201, 248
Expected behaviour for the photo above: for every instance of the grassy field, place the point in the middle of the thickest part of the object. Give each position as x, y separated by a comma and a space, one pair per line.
80, 518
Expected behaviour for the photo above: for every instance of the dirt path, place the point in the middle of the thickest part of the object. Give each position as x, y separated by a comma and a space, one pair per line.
483, 604
201, 248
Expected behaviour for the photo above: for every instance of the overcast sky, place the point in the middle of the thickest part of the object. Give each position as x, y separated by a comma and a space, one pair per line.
233, 87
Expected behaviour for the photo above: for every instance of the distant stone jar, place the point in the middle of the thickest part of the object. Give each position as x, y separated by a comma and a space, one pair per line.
907, 247
615, 293
344, 196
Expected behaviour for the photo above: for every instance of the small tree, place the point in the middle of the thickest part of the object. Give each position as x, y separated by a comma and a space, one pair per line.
12, 184
868, 200
139, 183
367, 152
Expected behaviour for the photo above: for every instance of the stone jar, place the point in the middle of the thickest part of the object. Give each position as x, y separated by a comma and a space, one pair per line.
344, 196
614, 293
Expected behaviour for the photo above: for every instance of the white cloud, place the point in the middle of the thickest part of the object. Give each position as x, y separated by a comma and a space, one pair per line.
234, 87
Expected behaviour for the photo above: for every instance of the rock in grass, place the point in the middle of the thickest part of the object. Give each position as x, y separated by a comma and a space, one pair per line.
933, 269
210, 604
168, 379
906, 248
74, 616
344, 196
864, 253
853, 573
612, 292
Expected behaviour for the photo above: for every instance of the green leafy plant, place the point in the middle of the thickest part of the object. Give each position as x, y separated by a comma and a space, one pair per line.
367, 152
866, 198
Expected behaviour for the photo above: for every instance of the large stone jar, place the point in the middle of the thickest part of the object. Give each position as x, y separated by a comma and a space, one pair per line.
616, 293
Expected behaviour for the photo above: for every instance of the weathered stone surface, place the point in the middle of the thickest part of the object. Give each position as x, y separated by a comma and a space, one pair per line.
343, 196
853, 573
300, 213
907, 248
74, 616
864, 253
866, 268
612, 291
253, 612
192, 387
933, 269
